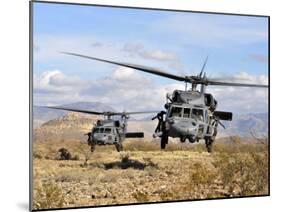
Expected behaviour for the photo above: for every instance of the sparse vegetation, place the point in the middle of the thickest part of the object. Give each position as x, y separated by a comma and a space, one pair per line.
145, 173
64, 154
243, 174
48, 195
124, 157
85, 151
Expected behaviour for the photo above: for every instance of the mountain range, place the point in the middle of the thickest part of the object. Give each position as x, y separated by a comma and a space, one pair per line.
51, 124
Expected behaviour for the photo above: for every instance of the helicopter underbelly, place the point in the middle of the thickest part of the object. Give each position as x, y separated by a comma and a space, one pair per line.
178, 131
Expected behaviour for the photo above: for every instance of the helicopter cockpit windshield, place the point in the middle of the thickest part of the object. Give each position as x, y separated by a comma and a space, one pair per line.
197, 114
186, 112
176, 111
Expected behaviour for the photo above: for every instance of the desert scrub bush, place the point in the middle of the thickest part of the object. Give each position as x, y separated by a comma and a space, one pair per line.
141, 196
85, 150
124, 157
48, 195
64, 154
37, 155
200, 184
201, 175
235, 144
243, 174
262, 176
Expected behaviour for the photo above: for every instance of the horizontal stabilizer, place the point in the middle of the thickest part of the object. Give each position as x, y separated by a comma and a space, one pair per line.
134, 135
221, 115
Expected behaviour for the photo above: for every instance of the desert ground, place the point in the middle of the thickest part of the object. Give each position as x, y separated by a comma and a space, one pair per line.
144, 173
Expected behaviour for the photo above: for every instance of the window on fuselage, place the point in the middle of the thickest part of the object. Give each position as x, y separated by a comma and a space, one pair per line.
176, 112
101, 130
197, 114
107, 130
186, 112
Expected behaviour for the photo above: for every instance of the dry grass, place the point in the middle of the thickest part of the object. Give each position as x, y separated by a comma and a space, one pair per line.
144, 173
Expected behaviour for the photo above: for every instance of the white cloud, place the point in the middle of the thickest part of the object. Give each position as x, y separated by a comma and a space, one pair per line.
137, 49
127, 89
56, 82
159, 55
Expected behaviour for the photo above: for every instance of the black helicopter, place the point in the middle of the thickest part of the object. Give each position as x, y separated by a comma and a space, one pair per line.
189, 114
109, 131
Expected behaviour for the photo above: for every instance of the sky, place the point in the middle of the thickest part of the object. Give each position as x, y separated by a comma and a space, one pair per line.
176, 42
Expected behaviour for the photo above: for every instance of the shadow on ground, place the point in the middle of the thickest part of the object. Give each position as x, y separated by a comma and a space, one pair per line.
135, 164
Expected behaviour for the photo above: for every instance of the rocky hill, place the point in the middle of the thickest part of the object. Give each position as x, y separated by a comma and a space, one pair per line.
71, 126
43, 114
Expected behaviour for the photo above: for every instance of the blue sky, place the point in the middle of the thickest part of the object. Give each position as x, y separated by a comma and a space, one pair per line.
177, 42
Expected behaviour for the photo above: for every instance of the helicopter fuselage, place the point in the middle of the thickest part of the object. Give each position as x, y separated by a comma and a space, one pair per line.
106, 135
111, 132
190, 115
107, 132
188, 121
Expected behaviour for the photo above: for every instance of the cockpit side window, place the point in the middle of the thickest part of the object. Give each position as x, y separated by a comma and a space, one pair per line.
186, 112
197, 114
96, 130
176, 112
101, 130
107, 130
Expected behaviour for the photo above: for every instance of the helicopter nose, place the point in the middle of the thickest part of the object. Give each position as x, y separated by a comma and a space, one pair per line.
184, 127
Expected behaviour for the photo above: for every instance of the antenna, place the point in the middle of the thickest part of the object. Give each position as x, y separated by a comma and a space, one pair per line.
203, 67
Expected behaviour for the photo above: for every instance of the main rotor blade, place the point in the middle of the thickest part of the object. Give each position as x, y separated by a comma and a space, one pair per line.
110, 113
158, 72
78, 110
143, 112
137, 67
211, 82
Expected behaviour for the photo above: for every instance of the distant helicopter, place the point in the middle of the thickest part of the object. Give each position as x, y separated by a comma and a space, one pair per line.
189, 114
109, 131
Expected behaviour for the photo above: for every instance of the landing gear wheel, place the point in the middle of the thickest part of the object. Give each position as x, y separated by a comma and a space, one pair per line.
164, 140
182, 139
209, 145
119, 147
